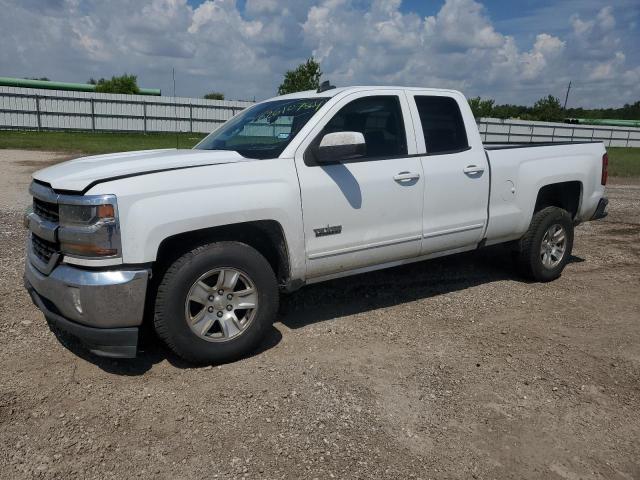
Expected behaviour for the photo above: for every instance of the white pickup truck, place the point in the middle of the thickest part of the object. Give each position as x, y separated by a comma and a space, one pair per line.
294, 190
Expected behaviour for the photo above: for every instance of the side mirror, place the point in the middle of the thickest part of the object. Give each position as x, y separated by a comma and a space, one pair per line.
338, 146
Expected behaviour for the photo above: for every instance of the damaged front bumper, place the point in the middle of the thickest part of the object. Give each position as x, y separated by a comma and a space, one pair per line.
102, 308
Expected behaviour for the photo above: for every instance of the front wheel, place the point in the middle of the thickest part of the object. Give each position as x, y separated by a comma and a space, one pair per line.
216, 303
546, 247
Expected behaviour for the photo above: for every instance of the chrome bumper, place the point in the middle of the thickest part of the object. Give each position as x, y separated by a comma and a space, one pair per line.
92, 305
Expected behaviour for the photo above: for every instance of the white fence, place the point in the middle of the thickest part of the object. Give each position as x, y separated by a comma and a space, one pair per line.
522, 131
32, 109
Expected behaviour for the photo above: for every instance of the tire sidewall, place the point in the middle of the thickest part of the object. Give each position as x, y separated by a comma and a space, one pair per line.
172, 310
554, 216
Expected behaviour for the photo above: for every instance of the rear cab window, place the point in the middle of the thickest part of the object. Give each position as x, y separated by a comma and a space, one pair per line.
442, 124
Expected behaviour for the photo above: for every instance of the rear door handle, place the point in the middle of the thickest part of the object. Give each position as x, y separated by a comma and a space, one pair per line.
473, 169
406, 176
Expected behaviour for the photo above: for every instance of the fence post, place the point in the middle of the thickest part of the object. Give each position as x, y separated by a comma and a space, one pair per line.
610, 137
553, 134
509, 134
93, 116
628, 137
144, 113
38, 112
190, 117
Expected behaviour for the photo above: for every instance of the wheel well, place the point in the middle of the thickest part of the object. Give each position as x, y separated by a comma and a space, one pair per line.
565, 195
266, 236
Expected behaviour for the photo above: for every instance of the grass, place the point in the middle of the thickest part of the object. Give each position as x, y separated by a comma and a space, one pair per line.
623, 162
94, 143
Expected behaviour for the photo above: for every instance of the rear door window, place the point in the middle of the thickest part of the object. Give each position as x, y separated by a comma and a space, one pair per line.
442, 124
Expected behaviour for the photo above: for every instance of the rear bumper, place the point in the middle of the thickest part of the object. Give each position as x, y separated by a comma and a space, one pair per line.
102, 309
601, 210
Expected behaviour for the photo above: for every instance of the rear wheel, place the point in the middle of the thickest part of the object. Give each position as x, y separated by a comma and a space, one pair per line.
215, 303
546, 247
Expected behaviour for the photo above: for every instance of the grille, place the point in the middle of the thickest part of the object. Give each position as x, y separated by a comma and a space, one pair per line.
42, 248
47, 211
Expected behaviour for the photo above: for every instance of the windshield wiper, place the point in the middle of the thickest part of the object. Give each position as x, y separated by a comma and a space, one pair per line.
259, 147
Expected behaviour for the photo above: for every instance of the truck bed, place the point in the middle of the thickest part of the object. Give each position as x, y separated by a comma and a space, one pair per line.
519, 171
506, 146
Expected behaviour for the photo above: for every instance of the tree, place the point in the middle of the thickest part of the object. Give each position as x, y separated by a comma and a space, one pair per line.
214, 96
548, 109
510, 111
481, 108
305, 77
127, 84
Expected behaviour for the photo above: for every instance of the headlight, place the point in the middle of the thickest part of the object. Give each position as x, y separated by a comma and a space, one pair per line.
89, 227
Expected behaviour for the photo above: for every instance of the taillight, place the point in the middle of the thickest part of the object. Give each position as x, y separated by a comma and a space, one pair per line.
605, 169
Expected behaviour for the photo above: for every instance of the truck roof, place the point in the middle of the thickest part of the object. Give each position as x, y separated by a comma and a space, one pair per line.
337, 90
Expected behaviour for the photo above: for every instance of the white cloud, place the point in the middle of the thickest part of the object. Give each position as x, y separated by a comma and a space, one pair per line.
546, 49
605, 19
548, 45
607, 70
244, 52
462, 25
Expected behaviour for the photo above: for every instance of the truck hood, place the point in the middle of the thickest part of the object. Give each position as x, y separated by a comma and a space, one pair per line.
82, 173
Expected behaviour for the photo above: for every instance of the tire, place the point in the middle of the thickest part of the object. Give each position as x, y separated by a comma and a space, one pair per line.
183, 326
531, 259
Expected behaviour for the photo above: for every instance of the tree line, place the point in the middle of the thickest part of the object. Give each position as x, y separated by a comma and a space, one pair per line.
306, 76
549, 109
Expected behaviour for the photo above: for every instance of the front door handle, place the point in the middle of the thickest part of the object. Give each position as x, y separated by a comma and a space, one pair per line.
473, 169
406, 177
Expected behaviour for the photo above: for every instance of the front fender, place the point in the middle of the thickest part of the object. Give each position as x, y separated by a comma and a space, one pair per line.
160, 205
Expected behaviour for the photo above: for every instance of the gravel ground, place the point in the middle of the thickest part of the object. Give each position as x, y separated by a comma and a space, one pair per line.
453, 368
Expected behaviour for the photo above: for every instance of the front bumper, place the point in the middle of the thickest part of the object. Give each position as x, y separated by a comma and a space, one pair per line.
103, 309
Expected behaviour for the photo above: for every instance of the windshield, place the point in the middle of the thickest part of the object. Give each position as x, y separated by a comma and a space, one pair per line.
264, 130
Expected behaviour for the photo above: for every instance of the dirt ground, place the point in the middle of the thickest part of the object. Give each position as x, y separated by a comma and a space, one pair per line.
453, 368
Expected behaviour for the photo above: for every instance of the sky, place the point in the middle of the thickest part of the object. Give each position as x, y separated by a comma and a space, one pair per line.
512, 51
